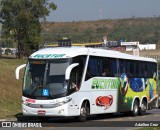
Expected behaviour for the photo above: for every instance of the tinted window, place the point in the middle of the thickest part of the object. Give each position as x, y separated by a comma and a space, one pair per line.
101, 66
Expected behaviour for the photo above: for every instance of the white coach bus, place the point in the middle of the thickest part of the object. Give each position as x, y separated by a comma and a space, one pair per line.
78, 82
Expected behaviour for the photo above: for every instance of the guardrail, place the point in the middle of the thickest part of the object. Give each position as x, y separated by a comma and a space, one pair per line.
157, 57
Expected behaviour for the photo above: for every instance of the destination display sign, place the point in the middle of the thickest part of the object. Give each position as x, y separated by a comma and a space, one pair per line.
43, 56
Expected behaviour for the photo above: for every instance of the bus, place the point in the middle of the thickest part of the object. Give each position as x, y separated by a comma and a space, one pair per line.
78, 82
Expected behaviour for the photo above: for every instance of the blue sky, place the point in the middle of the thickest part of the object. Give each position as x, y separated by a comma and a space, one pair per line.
86, 10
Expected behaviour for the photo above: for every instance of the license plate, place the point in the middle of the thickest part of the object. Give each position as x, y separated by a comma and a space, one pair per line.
41, 112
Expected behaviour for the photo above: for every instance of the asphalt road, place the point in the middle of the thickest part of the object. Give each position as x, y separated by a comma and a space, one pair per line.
100, 122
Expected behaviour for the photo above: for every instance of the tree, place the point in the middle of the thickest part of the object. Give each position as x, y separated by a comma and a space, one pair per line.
21, 20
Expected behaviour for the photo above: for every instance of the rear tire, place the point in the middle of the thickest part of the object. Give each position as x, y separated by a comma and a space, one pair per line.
84, 112
135, 110
143, 108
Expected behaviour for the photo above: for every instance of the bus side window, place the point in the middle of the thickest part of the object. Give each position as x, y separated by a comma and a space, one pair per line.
128, 68
151, 68
122, 66
88, 76
148, 70
140, 69
154, 70
131, 69
106, 67
75, 79
134, 69
145, 70
98, 66
92, 69
113, 67
81, 60
137, 64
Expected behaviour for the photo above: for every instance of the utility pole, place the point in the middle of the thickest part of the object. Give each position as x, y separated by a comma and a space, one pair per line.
100, 13
0, 22
0, 32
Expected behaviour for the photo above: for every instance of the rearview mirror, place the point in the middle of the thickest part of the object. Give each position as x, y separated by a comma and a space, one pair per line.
68, 70
18, 69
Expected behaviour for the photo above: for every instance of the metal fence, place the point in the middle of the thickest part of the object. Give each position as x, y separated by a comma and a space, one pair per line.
157, 57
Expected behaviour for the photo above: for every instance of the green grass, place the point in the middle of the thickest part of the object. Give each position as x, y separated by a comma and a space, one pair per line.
10, 88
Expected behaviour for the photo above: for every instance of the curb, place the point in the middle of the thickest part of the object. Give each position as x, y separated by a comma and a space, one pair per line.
9, 119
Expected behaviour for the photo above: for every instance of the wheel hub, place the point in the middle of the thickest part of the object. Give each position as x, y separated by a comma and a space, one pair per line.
83, 111
143, 107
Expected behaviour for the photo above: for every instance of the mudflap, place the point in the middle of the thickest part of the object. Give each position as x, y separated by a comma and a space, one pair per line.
154, 103
159, 102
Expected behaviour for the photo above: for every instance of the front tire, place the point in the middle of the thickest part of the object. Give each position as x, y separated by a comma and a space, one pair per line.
84, 112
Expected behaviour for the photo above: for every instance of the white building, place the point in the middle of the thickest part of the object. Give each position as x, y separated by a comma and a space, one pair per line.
13, 50
132, 45
147, 46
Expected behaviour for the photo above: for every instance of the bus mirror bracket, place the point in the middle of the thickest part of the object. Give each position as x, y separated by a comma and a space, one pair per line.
69, 69
18, 69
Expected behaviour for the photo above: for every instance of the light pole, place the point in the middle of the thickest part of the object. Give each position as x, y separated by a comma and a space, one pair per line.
0, 32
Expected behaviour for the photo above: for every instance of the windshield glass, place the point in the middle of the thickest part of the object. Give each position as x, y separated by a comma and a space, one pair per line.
45, 79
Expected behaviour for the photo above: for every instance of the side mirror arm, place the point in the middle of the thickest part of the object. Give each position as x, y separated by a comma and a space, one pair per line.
18, 69
69, 69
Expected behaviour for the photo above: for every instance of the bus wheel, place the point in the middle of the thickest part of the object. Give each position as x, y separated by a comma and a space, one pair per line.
84, 111
135, 110
143, 108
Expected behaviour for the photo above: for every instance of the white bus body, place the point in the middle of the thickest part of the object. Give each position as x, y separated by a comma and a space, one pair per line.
55, 69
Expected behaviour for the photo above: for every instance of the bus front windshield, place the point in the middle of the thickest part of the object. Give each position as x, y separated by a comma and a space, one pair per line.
45, 79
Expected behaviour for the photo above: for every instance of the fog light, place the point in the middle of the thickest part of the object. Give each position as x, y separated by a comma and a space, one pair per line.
60, 111
24, 110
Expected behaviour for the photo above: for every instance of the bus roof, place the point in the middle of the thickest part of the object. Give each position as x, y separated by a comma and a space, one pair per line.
67, 52
117, 54
59, 52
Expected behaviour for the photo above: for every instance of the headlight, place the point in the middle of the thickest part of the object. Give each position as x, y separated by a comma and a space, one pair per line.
66, 100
